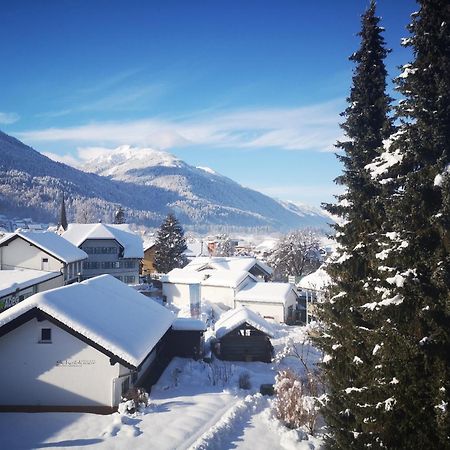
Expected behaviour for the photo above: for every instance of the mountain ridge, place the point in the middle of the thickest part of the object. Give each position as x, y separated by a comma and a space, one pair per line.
148, 183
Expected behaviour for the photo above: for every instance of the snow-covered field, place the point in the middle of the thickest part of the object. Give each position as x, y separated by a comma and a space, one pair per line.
194, 405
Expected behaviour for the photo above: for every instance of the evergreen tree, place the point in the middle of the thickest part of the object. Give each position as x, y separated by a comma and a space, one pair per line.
62, 215
119, 216
348, 331
170, 245
414, 336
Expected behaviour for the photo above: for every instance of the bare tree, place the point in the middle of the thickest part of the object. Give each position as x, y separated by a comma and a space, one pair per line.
296, 253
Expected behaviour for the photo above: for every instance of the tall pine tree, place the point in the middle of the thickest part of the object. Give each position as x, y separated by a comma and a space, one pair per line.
413, 363
170, 245
347, 338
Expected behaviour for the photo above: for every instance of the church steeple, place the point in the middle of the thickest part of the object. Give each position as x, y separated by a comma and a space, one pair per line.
62, 224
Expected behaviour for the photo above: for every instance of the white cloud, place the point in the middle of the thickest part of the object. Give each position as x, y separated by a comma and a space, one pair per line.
66, 159
306, 128
86, 153
7, 118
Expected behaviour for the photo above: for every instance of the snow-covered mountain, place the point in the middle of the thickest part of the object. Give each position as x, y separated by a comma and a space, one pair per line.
147, 183
149, 167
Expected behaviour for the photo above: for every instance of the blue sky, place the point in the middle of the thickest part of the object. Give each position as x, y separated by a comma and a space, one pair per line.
252, 89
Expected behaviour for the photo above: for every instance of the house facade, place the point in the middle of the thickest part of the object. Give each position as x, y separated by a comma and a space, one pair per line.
44, 251
77, 357
148, 261
275, 301
18, 284
111, 249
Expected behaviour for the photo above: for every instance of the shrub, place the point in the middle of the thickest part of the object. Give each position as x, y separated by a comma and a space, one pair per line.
244, 381
295, 403
133, 400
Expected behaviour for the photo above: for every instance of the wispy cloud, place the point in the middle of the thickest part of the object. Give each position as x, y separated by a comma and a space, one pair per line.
123, 99
305, 128
6, 118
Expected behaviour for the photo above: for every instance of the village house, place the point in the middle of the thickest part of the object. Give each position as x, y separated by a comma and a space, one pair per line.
235, 263
112, 249
243, 335
44, 251
148, 261
18, 284
276, 301
180, 286
83, 346
230, 282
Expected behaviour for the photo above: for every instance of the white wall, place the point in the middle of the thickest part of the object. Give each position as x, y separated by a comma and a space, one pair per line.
177, 294
224, 296
50, 284
266, 310
20, 254
65, 372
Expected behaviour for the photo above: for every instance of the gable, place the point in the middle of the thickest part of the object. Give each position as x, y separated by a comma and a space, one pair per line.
39, 315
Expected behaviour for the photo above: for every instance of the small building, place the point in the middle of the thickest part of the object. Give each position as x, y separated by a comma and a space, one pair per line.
112, 249
45, 251
83, 346
18, 284
276, 301
243, 335
185, 338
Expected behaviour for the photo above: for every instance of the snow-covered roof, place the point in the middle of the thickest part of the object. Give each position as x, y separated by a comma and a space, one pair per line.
265, 292
106, 311
228, 263
207, 277
188, 324
236, 317
11, 280
226, 278
50, 243
184, 276
196, 248
77, 233
317, 280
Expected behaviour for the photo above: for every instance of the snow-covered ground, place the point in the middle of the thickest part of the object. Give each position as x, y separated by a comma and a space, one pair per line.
194, 405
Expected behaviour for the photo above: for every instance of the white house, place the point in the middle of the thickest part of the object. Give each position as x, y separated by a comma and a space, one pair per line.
230, 282
112, 249
45, 251
236, 263
18, 284
182, 287
78, 347
222, 286
275, 301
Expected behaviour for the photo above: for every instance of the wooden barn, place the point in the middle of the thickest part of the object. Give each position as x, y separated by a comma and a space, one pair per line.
243, 335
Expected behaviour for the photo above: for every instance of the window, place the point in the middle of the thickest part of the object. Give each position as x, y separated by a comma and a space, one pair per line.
44, 264
125, 386
46, 336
